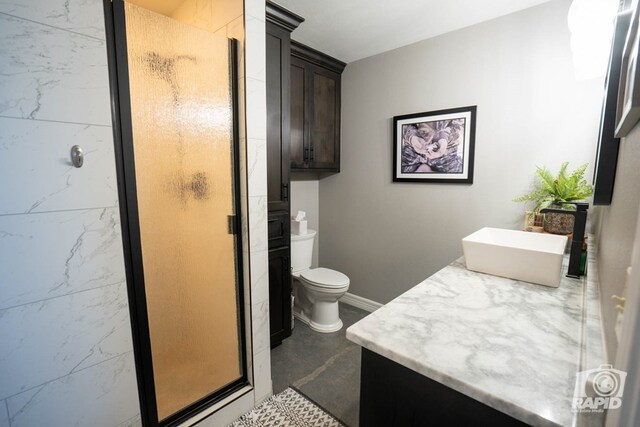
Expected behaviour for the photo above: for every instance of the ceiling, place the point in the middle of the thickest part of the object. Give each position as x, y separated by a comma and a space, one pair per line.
354, 29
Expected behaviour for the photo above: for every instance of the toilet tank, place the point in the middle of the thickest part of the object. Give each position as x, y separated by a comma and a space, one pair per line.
302, 250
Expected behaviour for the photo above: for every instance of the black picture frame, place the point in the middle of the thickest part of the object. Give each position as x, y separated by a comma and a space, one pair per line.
419, 150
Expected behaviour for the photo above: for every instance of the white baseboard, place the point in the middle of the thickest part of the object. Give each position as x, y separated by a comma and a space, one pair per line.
360, 302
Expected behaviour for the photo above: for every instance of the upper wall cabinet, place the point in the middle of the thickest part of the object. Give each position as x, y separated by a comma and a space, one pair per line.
315, 110
280, 23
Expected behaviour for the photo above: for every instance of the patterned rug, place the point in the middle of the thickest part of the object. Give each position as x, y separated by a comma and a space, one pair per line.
287, 409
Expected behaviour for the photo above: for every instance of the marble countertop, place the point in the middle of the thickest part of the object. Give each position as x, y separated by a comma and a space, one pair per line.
511, 345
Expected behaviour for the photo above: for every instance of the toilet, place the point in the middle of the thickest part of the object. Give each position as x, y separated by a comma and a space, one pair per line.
316, 290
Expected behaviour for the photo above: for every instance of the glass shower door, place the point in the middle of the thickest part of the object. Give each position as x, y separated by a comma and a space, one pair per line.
180, 89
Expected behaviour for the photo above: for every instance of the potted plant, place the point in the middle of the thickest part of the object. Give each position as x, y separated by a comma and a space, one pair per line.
555, 192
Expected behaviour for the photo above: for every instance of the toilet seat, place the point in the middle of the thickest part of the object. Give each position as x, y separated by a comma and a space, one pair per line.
325, 278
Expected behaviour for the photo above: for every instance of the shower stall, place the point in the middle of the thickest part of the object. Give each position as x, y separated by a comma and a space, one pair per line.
175, 108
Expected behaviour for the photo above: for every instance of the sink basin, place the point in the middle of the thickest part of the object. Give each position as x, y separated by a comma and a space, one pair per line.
519, 255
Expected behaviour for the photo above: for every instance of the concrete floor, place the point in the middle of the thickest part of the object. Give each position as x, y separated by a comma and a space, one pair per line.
325, 367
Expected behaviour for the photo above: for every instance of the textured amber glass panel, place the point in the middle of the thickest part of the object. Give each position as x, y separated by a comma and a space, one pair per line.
224, 17
182, 136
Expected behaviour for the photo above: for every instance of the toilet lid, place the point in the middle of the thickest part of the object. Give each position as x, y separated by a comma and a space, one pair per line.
325, 277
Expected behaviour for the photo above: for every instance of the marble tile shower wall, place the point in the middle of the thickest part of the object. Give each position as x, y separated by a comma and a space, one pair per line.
62, 283
66, 353
256, 116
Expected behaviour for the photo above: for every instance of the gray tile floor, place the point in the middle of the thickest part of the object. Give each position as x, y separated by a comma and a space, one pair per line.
325, 367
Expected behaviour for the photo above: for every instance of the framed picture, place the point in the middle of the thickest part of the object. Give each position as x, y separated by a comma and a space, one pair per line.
436, 146
628, 111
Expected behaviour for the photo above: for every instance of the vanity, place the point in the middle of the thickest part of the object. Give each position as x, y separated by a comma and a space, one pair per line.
467, 348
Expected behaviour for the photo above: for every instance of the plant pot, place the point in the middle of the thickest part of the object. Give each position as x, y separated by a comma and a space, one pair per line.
533, 222
558, 223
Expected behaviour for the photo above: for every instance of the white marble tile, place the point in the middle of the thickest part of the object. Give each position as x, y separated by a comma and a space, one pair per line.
230, 412
255, 9
248, 332
53, 254
81, 16
4, 415
256, 109
35, 160
255, 48
262, 375
104, 395
257, 167
134, 421
52, 74
242, 168
60, 336
258, 223
260, 325
259, 277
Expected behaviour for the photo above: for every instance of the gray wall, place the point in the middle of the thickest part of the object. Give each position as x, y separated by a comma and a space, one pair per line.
517, 69
616, 231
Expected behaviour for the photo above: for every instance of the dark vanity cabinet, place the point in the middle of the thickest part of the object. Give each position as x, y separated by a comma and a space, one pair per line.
280, 23
315, 110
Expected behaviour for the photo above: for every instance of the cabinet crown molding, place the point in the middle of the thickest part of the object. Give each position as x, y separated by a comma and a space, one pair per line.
282, 17
316, 57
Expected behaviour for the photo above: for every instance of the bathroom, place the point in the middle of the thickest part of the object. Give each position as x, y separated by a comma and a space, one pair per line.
74, 347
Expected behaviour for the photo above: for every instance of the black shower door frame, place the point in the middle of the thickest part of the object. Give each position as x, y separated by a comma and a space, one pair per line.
116, 39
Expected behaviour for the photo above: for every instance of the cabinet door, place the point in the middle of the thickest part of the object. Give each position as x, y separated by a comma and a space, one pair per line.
279, 229
324, 124
299, 120
278, 67
279, 295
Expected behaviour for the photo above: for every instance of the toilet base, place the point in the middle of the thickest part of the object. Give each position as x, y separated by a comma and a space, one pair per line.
318, 327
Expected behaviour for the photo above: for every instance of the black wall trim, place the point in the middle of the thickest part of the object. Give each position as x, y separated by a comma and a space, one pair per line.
127, 194
316, 57
282, 17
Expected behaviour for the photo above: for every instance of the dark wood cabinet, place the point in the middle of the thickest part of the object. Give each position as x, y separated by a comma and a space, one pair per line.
280, 23
280, 295
315, 110
278, 66
395, 396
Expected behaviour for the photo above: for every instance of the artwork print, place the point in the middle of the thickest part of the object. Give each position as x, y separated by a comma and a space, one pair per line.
435, 146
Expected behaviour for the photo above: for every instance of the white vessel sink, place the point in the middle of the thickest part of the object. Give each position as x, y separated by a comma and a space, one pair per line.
519, 255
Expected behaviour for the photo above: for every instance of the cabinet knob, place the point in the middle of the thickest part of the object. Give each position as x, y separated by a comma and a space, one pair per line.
285, 192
